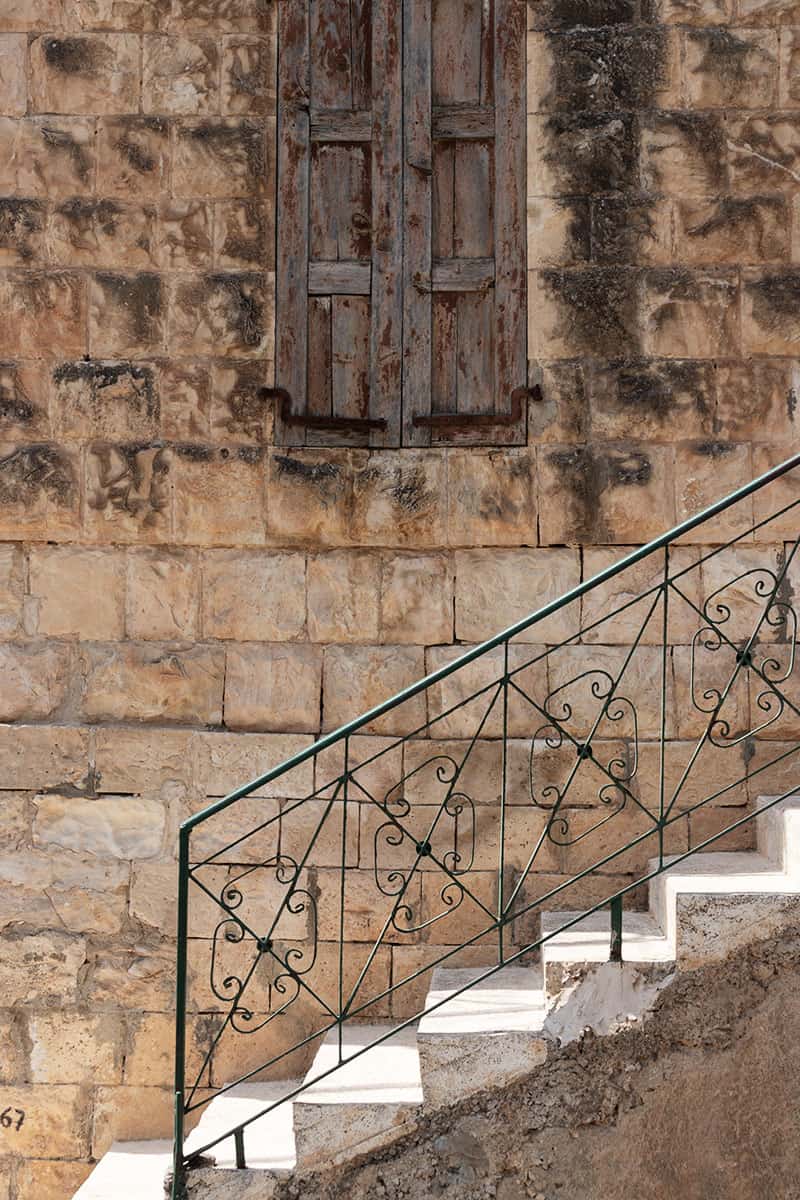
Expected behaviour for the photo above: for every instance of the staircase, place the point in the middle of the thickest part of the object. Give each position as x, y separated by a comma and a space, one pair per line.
478, 1035
521, 803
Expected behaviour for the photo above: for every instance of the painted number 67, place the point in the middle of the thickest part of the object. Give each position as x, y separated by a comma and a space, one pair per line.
12, 1118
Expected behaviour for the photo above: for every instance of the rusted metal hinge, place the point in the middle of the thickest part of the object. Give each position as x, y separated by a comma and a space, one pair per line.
306, 421
481, 420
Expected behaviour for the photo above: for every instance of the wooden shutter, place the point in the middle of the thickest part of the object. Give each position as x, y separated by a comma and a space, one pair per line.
466, 262
401, 266
339, 221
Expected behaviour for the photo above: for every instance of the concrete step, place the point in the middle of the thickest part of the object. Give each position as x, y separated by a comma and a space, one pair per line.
589, 938
268, 1141
129, 1171
483, 1037
367, 1102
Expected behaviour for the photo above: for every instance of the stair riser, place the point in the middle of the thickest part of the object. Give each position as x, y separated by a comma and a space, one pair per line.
454, 1067
330, 1134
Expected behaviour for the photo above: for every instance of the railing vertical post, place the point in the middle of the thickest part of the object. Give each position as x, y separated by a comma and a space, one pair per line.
616, 930
345, 793
238, 1139
502, 862
180, 1009
662, 762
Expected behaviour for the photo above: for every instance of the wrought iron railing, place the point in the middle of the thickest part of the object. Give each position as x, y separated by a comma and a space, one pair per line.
624, 726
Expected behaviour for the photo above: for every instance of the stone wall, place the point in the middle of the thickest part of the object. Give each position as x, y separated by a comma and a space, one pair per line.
183, 604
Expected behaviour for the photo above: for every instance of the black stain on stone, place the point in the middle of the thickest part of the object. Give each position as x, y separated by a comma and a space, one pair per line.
654, 387
592, 152
232, 143
194, 452
244, 304
714, 449
724, 54
409, 491
621, 227
250, 455
70, 56
740, 215
139, 297
20, 222
141, 395
791, 403
84, 214
248, 403
702, 133
606, 69
588, 473
567, 14
295, 468
60, 139
247, 246
31, 470
16, 408
776, 298
598, 309
134, 151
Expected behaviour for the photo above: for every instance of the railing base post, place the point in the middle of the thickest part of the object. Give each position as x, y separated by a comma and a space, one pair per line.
616, 930
238, 1138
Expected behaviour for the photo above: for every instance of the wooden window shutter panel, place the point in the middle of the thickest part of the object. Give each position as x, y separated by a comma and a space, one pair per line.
339, 222
465, 348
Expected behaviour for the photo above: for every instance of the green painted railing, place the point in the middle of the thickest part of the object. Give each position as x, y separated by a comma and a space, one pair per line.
562, 764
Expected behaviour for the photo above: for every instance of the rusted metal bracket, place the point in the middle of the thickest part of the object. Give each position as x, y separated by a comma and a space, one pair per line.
481, 420
306, 421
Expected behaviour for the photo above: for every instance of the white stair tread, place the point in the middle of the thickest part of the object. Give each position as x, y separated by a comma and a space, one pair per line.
268, 1141
511, 1000
728, 874
589, 939
385, 1074
129, 1171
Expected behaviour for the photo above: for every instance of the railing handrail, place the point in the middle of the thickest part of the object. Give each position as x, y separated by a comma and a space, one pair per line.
379, 710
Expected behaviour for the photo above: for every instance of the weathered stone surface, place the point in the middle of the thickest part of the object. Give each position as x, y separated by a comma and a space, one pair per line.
39, 491
343, 597
731, 67
558, 232
133, 155
56, 1121
733, 230
116, 827
28, 16
117, 400
21, 231
43, 756
769, 312
97, 73
583, 311
468, 703
40, 969
603, 623
162, 595
696, 486
227, 760
763, 153
36, 678
78, 592
38, 1179
244, 235
275, 687
24, 400
11, 590
691, 315
122, 14
153, 683
498, 588
248, 72
102, 233
130, 1115
220, 159
309, 496
185, 236
254, 596
416, 596
13, 89
327, 835
68, 890
128, 491
141, 978
43, 308
126, 314
399, 499
186, 402
219, 495
180, 76
225, 314
75, 1048
359, 677
492, 498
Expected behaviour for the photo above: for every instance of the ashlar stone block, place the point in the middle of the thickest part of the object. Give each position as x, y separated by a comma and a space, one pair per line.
96, 73
78, 592
254, 595
127, 827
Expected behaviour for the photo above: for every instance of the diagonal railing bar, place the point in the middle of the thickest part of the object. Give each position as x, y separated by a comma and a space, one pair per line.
574, 745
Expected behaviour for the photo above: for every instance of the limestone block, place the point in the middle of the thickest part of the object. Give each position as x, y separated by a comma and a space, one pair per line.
38, 1179
114, 827
691, 314
224, 761
635, 228
648, 398
83, 895
43, 308
459, 912
769, 12
40, 968
469, 704
764, 153
221, 159
232, 960
25, 387
600, 841
577, 153
562, 413
115, 400
731, 67
326, 833
11, 590
343, 597
13, 87
78, 593
359, 677
127, 314
248, 74
697, 486
309, 496
492, 497
245, 833
254, 595
185, 239
163, 595
56, 1121
128, 491
713, 672
102, 233
769, 311
696, 12
219, 495
14, 821
36, 679
75, 1047
223, 16
417, 599
239, 409
706, 823
21, 230
10, 132
141, 978
716, 776
43, 756
602, 623
733, 230
149, 1057
30, 15
582, 677
789, 85
558, 231
777, 496
602, 69
96, 73
186, 401
430, 768
180, 76
737, 585
375, 765
133, 155
274, 687
682, 153
244, 235
134, 15
153, 683
39, 491
141, 760
153, 898
583, 311
368, 906
399, 499
498, 588
323, 977
13, 1053
130, 1114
